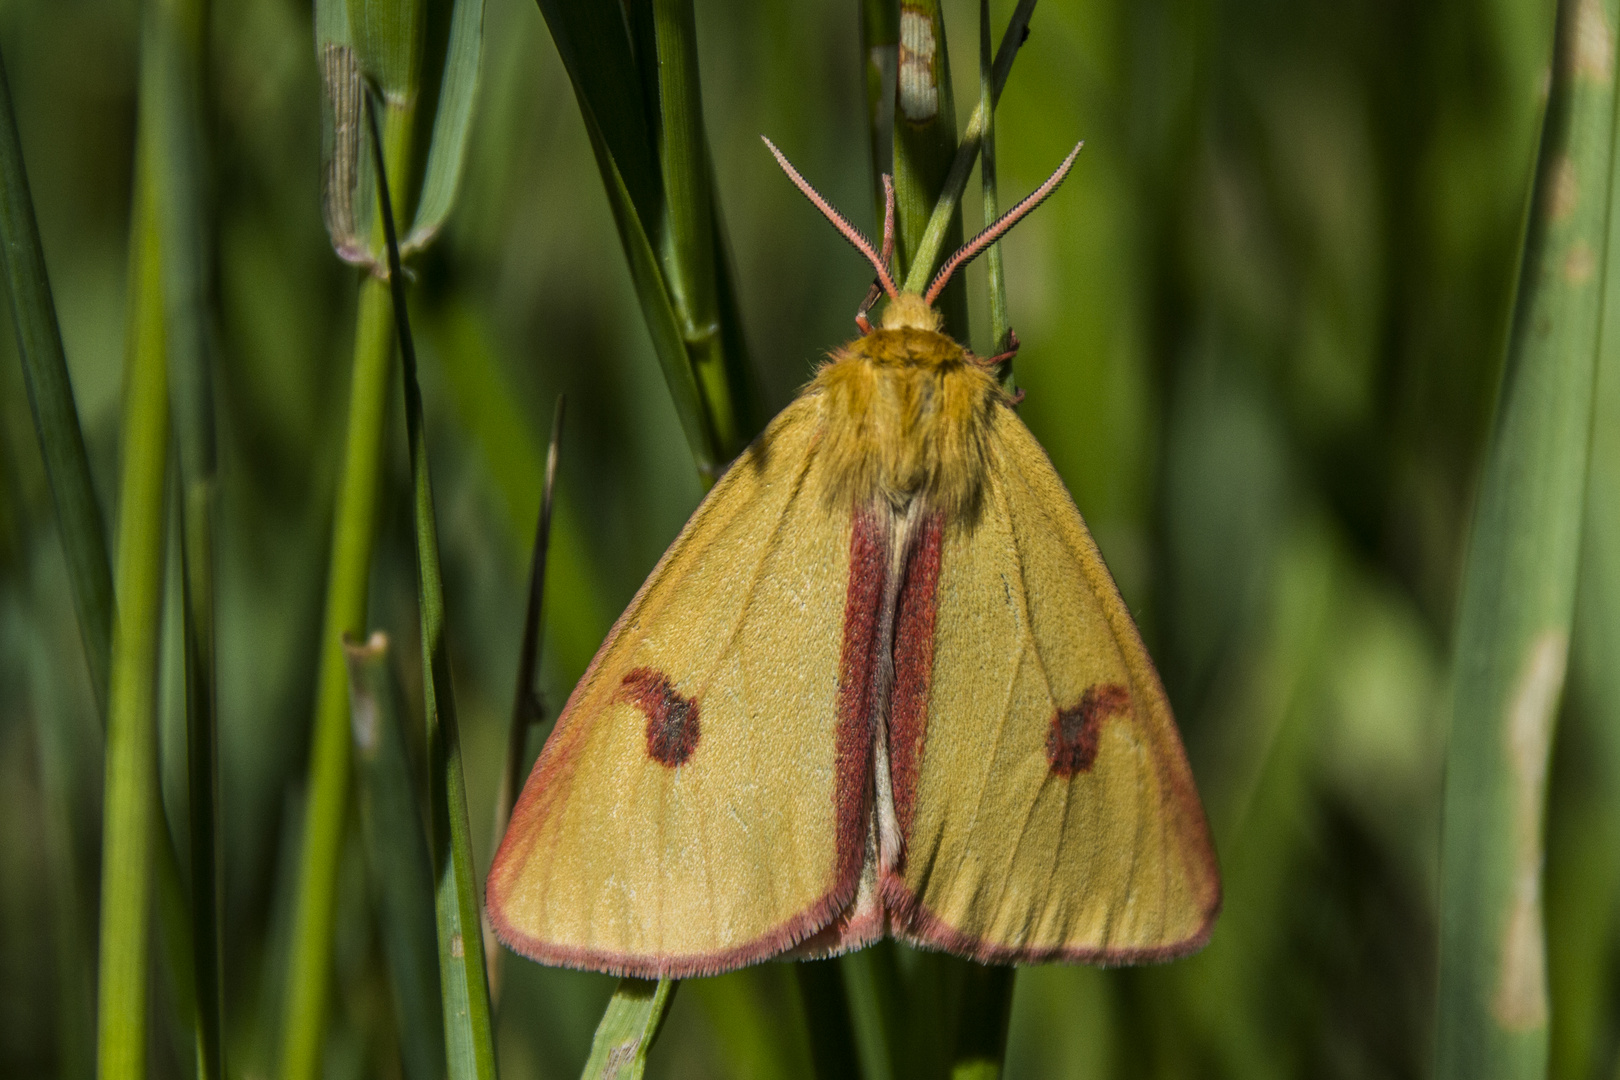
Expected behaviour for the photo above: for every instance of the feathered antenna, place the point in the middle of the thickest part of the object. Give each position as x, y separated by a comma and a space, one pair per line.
851, 233
975, 247
876, 291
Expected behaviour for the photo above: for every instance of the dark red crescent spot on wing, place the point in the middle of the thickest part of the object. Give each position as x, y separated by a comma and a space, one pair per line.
1071, 742
913, 669
857, 683
672, 720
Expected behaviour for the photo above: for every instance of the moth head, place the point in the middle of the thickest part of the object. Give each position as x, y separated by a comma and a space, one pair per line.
910, 309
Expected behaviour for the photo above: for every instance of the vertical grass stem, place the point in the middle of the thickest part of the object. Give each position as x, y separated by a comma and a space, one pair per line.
131, 821
468, 1028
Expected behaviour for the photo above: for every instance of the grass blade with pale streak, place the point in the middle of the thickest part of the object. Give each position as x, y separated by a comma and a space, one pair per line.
1518, 588
469, 1033
396, 855
628, 1028
1582, 912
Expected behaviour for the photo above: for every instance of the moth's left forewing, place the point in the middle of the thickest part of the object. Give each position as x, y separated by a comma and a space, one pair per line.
1045, 801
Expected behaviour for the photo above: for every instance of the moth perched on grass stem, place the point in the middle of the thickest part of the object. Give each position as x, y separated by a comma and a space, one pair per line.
882, 683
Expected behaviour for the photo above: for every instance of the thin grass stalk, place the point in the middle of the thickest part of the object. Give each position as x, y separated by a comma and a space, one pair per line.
1518, 586
347, 589
924, 148
396, 856
50, 397
468, 1027
628, 1029
943, 223
995, 279
527, 710
131, 818
353, 537
178, 30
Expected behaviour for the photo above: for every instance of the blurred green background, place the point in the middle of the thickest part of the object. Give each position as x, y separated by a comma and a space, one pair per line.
1262, 331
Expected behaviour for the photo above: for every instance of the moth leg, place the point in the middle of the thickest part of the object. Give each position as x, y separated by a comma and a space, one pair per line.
873, 295
1012, 349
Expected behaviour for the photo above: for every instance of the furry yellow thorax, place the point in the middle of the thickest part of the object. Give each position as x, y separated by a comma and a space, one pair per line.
907, 416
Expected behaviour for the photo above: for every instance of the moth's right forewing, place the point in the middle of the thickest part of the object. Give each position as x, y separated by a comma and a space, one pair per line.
683, 817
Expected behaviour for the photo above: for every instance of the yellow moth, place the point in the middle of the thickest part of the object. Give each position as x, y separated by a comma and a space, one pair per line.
880, 684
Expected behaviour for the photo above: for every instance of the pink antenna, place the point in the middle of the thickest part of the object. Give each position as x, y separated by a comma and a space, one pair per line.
851, 233
875, 291
975, 247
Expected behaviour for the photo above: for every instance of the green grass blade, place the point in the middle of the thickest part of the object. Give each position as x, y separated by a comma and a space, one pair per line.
468, 1027
628, 1029
876, 1008
595, 49
660, 189
688, 229
452, 123
658, 308
131, 820
924, 148
50, 396
943, 230
396, 855
387, 36
179, 170
1518, 591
